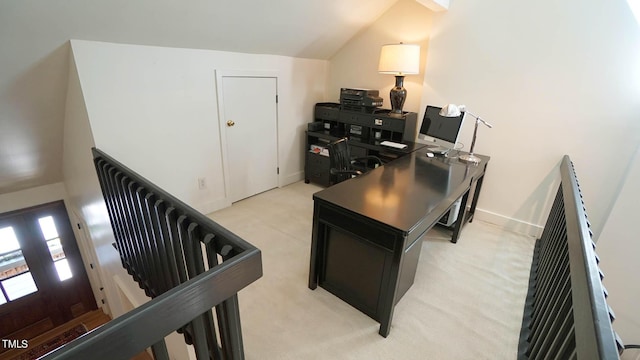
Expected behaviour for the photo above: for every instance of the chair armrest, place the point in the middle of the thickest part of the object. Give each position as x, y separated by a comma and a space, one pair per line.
369, 157
334, 171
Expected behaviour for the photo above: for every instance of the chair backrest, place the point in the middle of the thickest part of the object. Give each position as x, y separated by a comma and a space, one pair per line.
339, 159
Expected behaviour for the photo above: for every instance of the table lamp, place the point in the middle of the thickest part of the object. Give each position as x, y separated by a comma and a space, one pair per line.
453, 110
399, 60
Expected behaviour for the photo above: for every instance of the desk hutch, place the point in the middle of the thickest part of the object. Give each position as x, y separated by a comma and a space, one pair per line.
365, 132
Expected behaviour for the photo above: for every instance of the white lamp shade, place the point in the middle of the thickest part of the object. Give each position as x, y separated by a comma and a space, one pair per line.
399, 59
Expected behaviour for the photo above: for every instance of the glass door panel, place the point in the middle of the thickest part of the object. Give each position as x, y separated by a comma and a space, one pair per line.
50, 233
19, 286
15, 278
63, 269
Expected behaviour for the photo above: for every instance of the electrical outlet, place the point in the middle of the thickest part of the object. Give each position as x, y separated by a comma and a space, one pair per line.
202, 183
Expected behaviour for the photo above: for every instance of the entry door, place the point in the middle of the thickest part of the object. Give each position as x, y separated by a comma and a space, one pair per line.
250, 123
42, 279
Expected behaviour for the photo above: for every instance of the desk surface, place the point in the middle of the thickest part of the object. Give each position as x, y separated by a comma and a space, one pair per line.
406, 192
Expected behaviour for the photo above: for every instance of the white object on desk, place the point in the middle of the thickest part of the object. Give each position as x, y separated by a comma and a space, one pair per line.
393, 144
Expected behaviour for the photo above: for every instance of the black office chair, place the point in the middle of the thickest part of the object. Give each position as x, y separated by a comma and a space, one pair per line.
341, 162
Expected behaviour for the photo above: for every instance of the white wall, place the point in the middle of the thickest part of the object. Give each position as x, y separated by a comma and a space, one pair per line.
356, 64
618, 249
85, 196
554, 78
32, 197
154, 109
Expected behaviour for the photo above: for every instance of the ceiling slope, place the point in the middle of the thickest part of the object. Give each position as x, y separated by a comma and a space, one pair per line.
34, 58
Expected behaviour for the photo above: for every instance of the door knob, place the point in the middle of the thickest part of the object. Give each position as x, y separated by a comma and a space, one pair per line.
230, 123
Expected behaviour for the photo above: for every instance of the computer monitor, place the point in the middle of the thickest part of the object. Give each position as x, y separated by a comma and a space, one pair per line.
440, 131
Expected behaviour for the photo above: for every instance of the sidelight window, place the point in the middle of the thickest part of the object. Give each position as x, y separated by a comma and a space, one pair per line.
16, 280
50, 233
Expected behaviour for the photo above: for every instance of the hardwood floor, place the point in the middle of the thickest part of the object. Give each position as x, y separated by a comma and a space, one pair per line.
90, 320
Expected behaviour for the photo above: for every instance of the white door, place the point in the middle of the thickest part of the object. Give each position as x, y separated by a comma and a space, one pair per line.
250, 121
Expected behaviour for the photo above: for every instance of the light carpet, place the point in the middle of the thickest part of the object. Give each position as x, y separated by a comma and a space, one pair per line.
466, 302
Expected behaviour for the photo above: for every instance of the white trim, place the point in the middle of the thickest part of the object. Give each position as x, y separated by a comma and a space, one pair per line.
515, 225
215, 205
292, 178
89, 256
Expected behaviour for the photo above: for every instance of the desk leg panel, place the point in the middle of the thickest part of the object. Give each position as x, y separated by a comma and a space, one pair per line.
401, 278
408, 267
317, 236
476, 195
355, 271
358, 261
457, 226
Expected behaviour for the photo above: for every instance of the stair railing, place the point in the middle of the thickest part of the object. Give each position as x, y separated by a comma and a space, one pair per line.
189, 265
566, 315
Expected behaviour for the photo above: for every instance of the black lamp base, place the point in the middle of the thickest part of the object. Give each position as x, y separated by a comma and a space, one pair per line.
397, 96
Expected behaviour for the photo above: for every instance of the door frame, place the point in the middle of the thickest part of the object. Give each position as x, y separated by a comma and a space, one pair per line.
222, 128
89, 258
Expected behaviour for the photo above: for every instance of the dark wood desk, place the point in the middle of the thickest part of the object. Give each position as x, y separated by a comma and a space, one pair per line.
367, 230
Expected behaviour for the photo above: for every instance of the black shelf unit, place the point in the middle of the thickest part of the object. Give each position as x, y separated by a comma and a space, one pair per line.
365, 130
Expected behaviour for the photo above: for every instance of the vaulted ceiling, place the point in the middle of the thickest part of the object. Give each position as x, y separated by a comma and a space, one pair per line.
34, 55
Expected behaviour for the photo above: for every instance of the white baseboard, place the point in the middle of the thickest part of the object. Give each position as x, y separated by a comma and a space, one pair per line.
515, 225
215, 205
221, 203
291, 178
